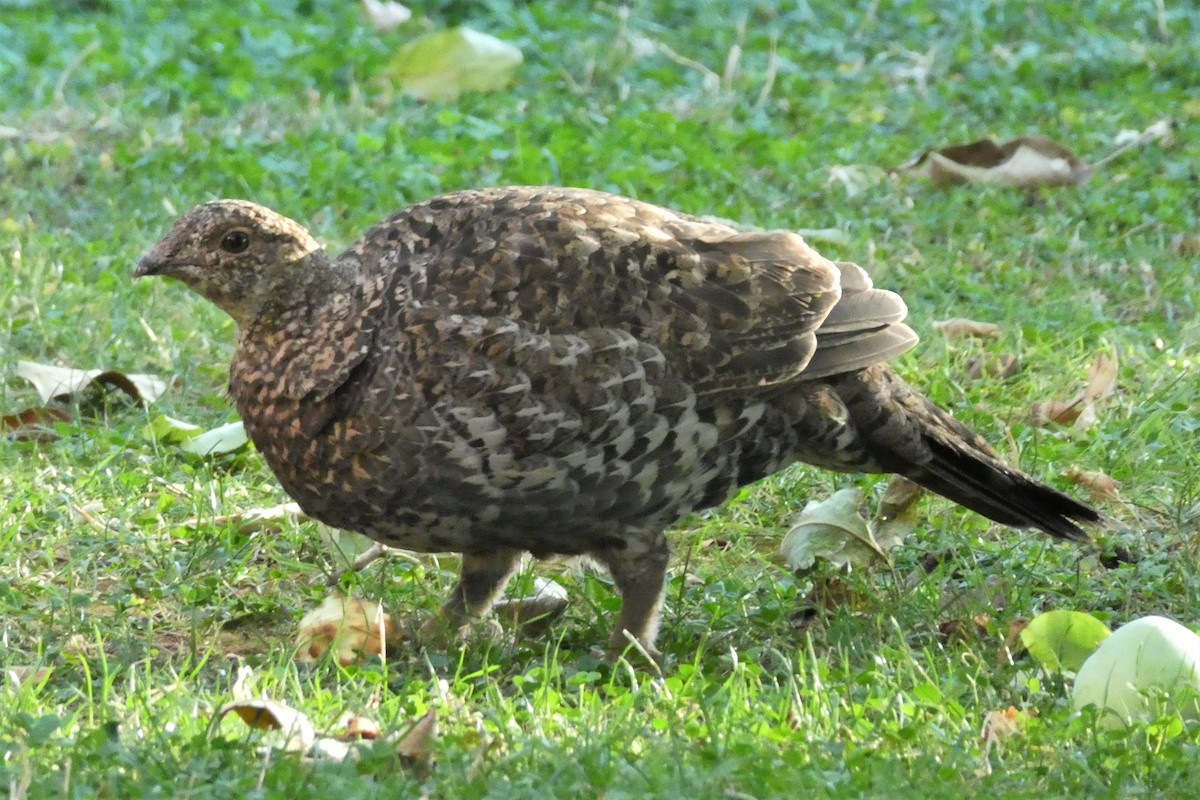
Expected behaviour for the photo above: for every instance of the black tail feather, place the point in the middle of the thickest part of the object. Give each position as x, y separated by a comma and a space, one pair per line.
988, 487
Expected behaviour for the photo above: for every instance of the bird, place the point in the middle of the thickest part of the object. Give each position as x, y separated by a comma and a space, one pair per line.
557, 371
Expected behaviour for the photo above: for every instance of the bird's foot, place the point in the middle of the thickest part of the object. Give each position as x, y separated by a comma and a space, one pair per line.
624, 645
442, 631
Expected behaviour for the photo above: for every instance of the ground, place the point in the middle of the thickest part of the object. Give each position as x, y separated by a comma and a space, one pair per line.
119, 115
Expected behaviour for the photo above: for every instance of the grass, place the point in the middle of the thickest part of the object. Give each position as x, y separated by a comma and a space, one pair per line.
119, 115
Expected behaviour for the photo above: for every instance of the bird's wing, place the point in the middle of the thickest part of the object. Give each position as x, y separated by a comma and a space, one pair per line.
733, 312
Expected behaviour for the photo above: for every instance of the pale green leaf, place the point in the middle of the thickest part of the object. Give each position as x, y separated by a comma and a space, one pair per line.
169, 430
443, 65
218, 441
1063, 640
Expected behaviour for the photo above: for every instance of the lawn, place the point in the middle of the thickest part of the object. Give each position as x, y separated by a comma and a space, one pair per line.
122, 574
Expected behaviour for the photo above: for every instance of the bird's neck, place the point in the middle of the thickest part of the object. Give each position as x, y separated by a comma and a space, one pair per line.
312, 341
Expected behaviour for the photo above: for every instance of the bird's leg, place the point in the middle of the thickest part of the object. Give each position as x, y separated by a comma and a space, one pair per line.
481, 581
639, 573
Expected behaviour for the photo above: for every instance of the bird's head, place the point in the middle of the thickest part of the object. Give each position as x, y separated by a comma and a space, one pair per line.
241, 256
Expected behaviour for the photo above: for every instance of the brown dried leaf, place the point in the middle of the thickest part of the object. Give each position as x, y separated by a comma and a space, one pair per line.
1056, 411
17, 675
1001, 725
347, 626
416, 747
298, 733
355, 727
33, 424
1102, 377
61, 383
1096, 484
1025, 162
1003, 366
1088, 416
958, 328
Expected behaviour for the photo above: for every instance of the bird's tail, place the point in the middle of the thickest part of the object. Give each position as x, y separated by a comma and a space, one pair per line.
897, 430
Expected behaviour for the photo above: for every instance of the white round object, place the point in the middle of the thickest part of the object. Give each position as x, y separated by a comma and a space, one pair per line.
1148, 653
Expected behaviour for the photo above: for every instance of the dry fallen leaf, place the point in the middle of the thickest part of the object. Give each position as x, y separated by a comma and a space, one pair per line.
1001, 725
1003, 366
1082, 410
416, 747
16, 676
834, 530
60, 383
298, 734
1056, 411
1096, 484
33, 424
385, 14
347, 626
355, 727
1102, 377
958, 328
1025, 162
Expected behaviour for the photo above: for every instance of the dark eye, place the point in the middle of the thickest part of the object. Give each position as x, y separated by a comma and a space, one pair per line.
235, 241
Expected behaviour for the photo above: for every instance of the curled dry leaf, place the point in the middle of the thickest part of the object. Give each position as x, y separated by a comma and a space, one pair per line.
1096, 484
355, 727
1056, 411
1082, 409
347, 626
61, 383
33, 424
16, 676
1025, 162
1102, 377
958, 328
297, 733
833, 530
415, 748
385, 14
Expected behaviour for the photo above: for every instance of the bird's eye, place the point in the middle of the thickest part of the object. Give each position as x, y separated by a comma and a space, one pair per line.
235, 241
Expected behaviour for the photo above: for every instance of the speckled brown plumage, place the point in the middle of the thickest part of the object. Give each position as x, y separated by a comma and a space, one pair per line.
562, 371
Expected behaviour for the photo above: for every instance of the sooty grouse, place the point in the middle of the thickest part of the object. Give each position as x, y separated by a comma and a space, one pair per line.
562, 371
